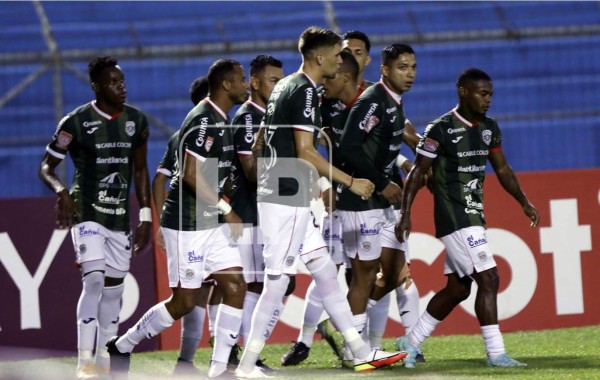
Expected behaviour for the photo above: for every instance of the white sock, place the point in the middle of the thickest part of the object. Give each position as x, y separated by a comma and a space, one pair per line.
191, 333
494, 343
265, 317
212, 317
155, 321
408, 306
108, 321
250, 301
228, 323
324, 273
422, 330
87, 315
313, 309
377, 320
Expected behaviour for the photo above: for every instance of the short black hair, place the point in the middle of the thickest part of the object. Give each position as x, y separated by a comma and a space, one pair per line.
349, 64
471, 74
392, 52
98, 64
358, 35
315, 37
261, 61
220, 70
199, 89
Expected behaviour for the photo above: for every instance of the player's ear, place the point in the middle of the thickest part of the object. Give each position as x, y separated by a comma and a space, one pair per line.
94, 86
462, 91
319, 58
226, 85
254, 85
385, 70
368, 60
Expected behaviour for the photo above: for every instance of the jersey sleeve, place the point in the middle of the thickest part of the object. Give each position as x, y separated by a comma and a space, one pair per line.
496, 143
62, 138
167, 163
364, 116
304, 107
431, 142
199, 141
243, 133
144, 131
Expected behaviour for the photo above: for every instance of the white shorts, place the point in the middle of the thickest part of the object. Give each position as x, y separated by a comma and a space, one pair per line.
192, 256
289, 233
92, 241
251, 254
366, 232
331, 227
466, 250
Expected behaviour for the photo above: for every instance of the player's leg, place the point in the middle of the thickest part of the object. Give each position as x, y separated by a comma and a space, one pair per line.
88, 242
192, 325
225, 264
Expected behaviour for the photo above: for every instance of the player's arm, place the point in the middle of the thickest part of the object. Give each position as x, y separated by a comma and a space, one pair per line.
412, 185
141, 179
159, 194
509, 182
410, 136
65, 207
303, 141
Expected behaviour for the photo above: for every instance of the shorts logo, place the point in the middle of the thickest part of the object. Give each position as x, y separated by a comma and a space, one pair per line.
476, 242
82, 249
194, 258
289, 261
130, 128
482, 256
189, 274
63, 140
486, 135
366, 246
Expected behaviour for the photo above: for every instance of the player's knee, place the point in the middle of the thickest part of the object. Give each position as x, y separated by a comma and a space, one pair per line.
291, 286
93, 282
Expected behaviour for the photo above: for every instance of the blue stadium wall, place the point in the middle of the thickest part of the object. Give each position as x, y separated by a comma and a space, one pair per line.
546, 88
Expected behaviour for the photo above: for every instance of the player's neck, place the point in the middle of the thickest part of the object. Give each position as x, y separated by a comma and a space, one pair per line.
256, 99
348, 94
108, 108
471, 117
313, 72
222, 101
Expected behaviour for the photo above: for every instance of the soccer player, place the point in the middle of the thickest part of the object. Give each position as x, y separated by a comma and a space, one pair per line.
285, 220
265, 72
370, 144
198, 225
457, 146
193, 322
339, 94
107, 142
358, 43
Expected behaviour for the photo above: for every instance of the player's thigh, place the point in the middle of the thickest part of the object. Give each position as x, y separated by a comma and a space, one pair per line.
467, 250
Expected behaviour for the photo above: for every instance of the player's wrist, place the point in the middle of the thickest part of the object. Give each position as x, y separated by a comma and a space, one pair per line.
62, 192
145, 214
324, 184
224, 206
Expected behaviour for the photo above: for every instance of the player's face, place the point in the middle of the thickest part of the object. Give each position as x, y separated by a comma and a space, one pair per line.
238, 86
330, 60
333, 87
477, 96
358, 49
111, 86
267, 80
400, 73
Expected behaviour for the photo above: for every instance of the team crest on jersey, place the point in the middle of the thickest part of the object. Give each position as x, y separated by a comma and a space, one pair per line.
64, 139
486, 135
130, 128
430, 145
209, 143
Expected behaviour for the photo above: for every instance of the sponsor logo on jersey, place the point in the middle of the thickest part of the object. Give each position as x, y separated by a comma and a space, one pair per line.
471, 211
109, 145
224, 164
430, 145
195, 258
91, 123
112, 160
456, 130
486, 135
103, 197
63, 140
395, 147
391, 110
471, 169
473, 242
86, 231
457, 139
473, 204
369, 121
209, 143
308, 108
109, 211
130, 128
227, 148
113, 181
471, 153
249, 137
202, 131
473, 186
398, 133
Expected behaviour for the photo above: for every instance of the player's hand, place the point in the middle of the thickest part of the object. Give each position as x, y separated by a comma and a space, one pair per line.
66, 212
403, 227
362, 187
329, 200
532, 214
160, 239
142, 235
393, 193
235, 224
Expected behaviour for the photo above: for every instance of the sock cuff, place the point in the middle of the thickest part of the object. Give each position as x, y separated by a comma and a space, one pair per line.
252, 296
427, 317
490, 328
231, 310
162, 309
